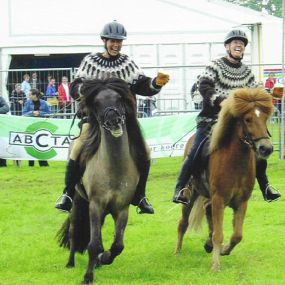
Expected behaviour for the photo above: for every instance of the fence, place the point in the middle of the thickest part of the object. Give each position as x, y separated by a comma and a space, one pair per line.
174, 98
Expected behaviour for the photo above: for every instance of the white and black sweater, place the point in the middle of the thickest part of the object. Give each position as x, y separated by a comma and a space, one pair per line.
95, 66
215, 84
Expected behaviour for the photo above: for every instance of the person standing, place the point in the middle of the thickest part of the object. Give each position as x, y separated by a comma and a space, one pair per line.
110, 63
51, 95
35, 82
17, 100
4, 109
36, 107
25, 85
64, 95
219, 78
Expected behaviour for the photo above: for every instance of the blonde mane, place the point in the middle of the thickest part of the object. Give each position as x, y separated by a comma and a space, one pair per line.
240, 102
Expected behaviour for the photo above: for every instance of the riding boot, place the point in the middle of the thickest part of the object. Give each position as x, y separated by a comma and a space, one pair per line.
268, 192
72, 177
182, 180
140, 200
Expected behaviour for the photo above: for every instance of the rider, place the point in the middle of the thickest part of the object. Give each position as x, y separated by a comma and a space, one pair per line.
215, 84
110, 63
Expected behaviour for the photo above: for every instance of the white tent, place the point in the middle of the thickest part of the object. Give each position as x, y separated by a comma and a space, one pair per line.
47, 26
160, 33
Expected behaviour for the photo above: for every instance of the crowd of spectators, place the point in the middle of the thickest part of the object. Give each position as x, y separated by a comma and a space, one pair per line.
57, 95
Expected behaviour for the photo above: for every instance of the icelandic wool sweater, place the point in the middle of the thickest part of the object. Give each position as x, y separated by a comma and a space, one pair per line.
96, 66
215, 84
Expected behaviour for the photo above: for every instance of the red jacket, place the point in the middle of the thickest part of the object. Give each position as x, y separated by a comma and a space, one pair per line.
269, 83
62, 94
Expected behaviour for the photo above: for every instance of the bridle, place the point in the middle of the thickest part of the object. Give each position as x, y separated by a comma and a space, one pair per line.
105, 123
248, 140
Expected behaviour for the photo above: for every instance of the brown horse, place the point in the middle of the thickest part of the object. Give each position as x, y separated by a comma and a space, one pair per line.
112, 153
238, 138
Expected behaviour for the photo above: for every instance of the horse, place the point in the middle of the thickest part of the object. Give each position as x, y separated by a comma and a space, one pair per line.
112, 154
238, 139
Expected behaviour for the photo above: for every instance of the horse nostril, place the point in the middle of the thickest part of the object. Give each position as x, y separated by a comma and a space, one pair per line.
265, 151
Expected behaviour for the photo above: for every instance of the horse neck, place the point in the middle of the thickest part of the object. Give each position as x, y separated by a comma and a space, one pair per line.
241, 151
114, 151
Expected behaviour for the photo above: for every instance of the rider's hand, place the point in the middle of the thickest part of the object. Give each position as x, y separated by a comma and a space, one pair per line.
161, 79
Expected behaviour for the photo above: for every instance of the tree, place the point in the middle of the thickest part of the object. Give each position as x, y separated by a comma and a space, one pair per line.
272, 7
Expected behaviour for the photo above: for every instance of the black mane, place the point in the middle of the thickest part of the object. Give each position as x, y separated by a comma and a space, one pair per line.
89, 90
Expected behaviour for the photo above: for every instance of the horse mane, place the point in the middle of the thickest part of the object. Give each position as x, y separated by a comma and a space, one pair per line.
240, 102
89, 90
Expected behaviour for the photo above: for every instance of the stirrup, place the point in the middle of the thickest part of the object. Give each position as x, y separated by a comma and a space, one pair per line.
177, 200
63, 195
276, 193
138, 210
57, 203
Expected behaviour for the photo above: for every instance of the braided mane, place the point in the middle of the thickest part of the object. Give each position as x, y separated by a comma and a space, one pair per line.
240, 102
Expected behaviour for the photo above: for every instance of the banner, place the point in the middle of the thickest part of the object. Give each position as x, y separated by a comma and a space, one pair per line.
28, 138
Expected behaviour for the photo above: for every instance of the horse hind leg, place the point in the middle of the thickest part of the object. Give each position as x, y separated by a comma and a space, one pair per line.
236, 237
184, 221
121, 219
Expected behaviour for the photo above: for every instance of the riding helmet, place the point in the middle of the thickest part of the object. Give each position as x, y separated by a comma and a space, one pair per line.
236, 35
114, 30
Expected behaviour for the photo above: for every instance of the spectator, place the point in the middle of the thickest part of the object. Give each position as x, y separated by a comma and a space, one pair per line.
4, 109
196, 97
270, 81
35, 81
64, 95
269, 85
36, 107
17, 100
51, 95
26, 86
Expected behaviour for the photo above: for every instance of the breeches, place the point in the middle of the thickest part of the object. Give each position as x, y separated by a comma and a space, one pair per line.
77, 143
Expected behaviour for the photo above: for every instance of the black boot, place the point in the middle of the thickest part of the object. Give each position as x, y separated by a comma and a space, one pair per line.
182, 180
140, 199
72, 177
268, 192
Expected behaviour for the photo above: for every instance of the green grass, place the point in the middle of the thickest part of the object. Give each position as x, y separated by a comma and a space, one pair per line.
29, 253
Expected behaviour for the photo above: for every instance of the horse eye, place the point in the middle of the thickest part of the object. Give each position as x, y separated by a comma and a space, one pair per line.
248, 120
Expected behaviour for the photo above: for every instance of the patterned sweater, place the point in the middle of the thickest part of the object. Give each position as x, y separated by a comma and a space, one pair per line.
215, 84
95, 66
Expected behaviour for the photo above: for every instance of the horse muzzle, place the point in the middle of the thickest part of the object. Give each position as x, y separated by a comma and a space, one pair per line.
264, 148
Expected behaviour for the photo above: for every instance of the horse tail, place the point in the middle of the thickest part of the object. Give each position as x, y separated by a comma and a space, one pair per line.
63, 234
197, 214
76, 226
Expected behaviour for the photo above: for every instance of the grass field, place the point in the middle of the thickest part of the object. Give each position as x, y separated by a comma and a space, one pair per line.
29, 254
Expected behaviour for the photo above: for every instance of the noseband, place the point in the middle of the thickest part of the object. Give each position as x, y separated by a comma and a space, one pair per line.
106, 124
248, 140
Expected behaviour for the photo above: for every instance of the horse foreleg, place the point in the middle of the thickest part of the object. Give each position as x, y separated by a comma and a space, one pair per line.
218, 207
208, 246
236, 237
95, 246
121, 219
184, 222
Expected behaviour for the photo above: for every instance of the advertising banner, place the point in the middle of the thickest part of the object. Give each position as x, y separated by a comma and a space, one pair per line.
27, 138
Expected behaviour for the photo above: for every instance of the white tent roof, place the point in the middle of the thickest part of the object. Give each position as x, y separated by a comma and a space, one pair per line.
73, 22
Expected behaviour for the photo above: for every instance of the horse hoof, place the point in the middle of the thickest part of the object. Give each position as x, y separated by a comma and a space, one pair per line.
87, 281
208, 248
69, 265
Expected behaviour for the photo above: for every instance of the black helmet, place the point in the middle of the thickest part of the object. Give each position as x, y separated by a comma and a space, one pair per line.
114, 30
236, 35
